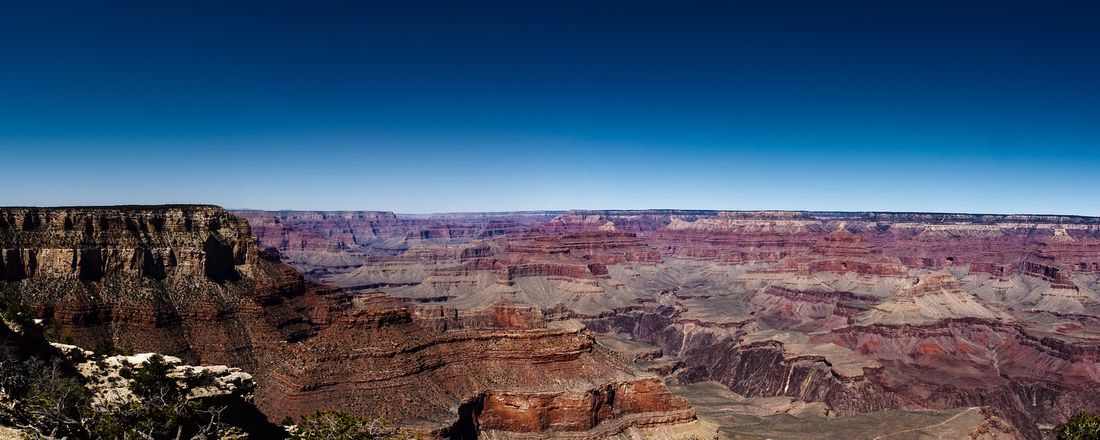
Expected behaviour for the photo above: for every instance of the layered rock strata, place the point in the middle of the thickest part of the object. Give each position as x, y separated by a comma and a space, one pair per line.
859, 311
453, 374
192, 282
185, 281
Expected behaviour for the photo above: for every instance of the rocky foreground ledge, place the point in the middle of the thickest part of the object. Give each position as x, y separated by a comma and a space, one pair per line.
51, 390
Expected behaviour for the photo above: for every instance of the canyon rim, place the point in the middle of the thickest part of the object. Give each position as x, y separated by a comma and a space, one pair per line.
588, 324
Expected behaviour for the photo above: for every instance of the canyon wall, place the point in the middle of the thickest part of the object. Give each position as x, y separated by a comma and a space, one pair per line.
860, 311
184, 281
484, 325
193, 282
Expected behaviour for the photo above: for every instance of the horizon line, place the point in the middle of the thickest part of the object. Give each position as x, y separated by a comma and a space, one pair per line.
561, 211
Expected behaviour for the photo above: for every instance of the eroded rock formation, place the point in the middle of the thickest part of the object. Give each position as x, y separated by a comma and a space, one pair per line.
858, 311
504, 368
191, 281
184, 281
483, 325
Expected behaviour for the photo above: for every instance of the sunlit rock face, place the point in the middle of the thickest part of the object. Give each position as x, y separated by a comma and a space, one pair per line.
184, 281
859, 312
452, 373
570, 324
193, 283
93, 243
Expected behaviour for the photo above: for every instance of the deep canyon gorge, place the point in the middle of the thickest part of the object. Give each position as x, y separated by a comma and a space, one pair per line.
591, 324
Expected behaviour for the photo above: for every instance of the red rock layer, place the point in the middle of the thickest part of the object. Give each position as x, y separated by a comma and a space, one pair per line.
604, 247
96, 275
1042, 266
386, 360
985, 242
1031, 280
214, 298
953, 363
583, 411
842, 252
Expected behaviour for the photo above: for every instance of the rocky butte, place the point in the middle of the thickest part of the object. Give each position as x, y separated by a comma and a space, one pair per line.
587, 324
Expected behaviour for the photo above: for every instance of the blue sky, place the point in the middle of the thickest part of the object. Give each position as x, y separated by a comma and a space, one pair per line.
484, 106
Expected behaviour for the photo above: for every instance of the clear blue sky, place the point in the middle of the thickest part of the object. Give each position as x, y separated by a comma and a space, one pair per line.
418, 106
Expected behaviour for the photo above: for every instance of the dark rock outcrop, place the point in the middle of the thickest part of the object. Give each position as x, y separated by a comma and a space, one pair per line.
184, 281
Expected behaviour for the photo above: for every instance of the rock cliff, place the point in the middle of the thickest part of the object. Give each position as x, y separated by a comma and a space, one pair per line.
192, 283
455, 374
63, 391
859, 311
184, 281
481, 325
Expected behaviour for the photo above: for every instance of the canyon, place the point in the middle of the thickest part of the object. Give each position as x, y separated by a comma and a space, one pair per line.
850, 314
191, 282
593, 324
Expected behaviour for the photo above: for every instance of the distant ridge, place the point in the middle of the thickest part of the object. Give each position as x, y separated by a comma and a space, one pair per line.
924, 217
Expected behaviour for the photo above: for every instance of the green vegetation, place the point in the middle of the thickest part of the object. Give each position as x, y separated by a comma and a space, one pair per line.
106, 347
16, 312
334, 425
55, 333
1080, 427
161, 409
51, 397
43, 395
54, 403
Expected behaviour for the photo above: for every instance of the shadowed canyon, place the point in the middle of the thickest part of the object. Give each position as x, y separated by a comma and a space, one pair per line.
592, 324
